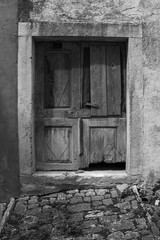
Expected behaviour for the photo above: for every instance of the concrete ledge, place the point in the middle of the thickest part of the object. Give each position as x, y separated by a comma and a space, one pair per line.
42, 183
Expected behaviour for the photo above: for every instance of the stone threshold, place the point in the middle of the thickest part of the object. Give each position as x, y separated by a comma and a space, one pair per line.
83, 174
46, 182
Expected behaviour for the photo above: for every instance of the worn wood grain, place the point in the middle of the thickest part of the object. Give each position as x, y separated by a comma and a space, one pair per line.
98, 80
113, 80
102, 145
57, 79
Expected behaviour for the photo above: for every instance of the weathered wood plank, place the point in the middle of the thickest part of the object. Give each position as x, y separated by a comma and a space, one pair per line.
76, 100
39, 143
121, 141
102, 145
98, 80
113, 80
86, 92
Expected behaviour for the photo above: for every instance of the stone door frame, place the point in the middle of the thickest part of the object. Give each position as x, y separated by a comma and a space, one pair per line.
29, 32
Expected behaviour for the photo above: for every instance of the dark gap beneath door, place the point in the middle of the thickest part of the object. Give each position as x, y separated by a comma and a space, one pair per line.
106, 166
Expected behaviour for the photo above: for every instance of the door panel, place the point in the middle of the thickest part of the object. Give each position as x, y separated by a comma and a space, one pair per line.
56, 144
104, 140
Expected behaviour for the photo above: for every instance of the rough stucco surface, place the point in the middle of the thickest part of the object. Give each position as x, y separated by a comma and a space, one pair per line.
143, 12
9, 170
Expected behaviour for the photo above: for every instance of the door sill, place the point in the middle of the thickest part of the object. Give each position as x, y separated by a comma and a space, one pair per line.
82, 173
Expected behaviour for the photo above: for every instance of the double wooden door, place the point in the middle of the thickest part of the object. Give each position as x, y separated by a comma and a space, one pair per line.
80, 104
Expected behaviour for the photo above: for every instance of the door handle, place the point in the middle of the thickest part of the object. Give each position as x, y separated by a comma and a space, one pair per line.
93, 105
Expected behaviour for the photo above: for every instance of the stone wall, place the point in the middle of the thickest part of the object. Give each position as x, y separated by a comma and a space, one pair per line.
143, 12
9, 167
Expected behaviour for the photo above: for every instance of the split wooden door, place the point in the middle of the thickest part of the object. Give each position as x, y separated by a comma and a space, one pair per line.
80, 99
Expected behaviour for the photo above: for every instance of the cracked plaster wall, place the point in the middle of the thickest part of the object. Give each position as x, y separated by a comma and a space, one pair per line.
143, 12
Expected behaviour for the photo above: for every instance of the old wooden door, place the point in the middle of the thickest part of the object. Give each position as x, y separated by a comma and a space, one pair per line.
79, 104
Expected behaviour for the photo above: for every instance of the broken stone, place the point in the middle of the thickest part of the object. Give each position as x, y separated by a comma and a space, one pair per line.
122, 187
141, 223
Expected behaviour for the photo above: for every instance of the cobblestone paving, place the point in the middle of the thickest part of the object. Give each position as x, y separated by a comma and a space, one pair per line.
112, 214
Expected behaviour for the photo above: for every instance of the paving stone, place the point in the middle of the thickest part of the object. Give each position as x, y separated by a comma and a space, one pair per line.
134, 204
32, 206
141, 223
97, 198
44, 202
94, 214
20, 208
75, 200
90, 223
47, 208
122, 225
129, 198
149, 237
90, 193
30, 222
79, 194
33, 200
154, 228
79, 207
107, 202
86, 199
123, 205
131, 235
108, 219
96, 203
114, 194
76, 217
61, 196
101, 191
127, 216
33, 211
91, 230
107, 195
52, 200
116, 236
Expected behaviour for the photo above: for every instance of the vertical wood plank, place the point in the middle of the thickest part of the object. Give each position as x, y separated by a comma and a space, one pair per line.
39, 78
86, 95
98, 80
121, 141
39, 143
113, 80
123, 80
76, 100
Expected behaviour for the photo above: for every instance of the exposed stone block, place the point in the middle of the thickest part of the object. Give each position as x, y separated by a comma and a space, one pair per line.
79, 207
